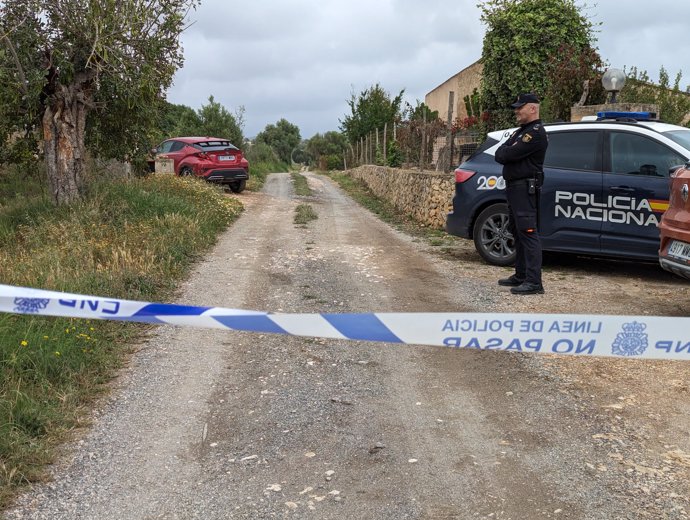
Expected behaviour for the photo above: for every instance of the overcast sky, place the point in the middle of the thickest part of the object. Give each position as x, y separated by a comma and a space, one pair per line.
301, 60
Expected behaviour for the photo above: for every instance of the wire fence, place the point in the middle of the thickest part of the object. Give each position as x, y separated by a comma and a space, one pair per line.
415, 145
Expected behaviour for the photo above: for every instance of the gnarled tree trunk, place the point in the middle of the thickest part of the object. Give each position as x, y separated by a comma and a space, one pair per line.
64, 123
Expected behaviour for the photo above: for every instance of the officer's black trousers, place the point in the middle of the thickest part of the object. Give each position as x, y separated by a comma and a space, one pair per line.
522, 223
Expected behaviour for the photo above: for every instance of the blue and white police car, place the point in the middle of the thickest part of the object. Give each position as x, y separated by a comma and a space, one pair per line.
606, 186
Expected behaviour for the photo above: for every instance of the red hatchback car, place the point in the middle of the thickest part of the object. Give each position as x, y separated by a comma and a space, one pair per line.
674, 253
211, 158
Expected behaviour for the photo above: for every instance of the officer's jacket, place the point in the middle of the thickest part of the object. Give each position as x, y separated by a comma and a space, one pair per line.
522, 155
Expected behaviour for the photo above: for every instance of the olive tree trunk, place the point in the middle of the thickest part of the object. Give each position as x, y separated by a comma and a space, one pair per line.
64, 123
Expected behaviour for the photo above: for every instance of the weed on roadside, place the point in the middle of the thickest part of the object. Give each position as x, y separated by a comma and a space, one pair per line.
304, 214
299, 182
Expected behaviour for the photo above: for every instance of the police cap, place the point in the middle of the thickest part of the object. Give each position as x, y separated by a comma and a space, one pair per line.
525, 98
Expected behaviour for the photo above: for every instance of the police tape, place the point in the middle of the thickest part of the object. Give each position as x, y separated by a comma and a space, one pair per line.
647, 337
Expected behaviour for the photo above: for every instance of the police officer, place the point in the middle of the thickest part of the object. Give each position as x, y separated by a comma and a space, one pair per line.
522, 157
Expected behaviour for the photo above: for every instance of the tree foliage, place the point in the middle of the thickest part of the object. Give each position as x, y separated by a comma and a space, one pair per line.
216, 121
212, 120
419, 112
566, 73
177, 120
283, 137
673, 102
521, 39
61, 60
327, 150
372, 109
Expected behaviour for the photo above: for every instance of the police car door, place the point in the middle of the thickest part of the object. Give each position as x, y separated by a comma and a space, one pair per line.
572, 183
636, 191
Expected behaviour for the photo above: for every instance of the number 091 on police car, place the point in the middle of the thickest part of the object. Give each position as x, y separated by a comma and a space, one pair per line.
679, 250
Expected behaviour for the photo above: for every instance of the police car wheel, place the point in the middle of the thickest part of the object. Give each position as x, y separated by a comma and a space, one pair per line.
493, 241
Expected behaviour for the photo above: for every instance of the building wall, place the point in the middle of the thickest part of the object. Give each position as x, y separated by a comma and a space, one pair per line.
463, 84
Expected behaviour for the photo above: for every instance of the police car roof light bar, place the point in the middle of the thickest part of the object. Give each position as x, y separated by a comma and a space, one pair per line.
627, 116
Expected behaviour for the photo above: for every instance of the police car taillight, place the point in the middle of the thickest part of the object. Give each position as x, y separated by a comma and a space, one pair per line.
463, 175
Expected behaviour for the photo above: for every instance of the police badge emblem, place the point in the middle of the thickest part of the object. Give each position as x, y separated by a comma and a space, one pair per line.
632, 341
526, 138
30, 305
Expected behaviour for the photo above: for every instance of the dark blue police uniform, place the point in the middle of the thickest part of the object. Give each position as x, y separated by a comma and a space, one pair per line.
522, 157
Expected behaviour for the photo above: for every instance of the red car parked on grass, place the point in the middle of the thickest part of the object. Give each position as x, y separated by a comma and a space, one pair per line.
211, 158
674, 253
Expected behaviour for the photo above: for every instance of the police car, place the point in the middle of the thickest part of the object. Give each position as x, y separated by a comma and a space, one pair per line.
606, 186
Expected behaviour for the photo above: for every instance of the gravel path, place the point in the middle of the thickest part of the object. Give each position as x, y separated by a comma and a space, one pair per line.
215, 424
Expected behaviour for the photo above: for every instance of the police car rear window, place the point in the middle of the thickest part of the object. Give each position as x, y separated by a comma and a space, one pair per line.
484, 146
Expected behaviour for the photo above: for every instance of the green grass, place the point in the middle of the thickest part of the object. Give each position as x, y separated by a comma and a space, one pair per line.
304, 214
300, 184
127, 239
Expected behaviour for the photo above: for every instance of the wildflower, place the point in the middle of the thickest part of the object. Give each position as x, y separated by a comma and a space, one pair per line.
57, 353
24, 343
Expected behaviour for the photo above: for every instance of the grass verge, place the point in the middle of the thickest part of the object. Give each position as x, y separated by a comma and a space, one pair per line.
127, 239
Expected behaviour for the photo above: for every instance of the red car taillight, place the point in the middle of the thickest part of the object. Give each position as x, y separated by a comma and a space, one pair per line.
202, 155
463, 175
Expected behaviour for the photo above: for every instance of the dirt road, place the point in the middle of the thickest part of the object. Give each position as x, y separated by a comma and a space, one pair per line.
214, 425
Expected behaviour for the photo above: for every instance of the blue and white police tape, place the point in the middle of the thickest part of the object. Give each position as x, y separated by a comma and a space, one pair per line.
649, 337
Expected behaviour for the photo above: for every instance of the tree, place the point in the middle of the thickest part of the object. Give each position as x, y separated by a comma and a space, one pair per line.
177, 120
67, 58
283, 137
372, 109
216, 121
674, 103
567, 72
521, 38
327, 150
419, 112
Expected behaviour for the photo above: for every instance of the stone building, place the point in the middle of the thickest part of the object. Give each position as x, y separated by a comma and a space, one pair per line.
462, 84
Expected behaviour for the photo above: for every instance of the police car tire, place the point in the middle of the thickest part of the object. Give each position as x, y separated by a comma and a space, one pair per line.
491, 237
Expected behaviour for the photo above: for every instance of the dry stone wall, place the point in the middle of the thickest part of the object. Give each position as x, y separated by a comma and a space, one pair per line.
425, 196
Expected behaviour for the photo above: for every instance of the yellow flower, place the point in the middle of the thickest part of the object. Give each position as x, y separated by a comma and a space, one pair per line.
57, 353
24, 343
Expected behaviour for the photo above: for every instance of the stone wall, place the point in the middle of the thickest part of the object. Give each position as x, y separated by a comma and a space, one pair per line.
425, 196
578, 112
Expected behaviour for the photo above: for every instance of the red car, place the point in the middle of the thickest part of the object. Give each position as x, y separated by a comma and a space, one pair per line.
211, 158
674, 253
